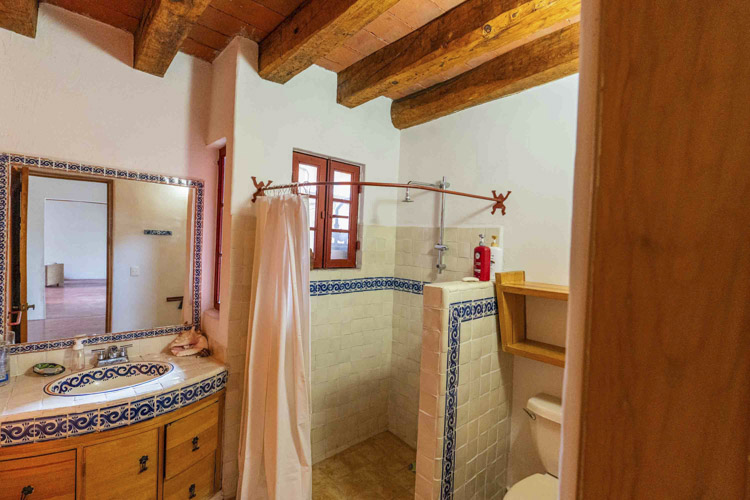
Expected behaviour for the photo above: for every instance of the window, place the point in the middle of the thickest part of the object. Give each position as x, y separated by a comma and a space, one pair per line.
219, 221
333, 209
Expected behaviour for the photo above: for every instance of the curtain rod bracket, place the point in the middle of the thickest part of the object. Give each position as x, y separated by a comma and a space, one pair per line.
259, 187
500, 202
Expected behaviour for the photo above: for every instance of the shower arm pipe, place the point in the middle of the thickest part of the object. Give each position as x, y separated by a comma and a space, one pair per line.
498, 200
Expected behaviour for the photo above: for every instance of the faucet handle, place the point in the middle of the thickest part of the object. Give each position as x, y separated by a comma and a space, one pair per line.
100, 356
124, 350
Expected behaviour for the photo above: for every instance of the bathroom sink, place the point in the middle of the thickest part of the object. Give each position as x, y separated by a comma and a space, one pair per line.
108, 378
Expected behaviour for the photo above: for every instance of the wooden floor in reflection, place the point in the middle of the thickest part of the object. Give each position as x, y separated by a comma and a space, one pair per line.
375, 469
79, 307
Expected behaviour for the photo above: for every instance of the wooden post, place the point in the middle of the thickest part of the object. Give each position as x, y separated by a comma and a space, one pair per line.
657, 399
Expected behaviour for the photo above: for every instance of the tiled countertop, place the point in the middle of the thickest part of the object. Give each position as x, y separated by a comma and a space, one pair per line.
29, 415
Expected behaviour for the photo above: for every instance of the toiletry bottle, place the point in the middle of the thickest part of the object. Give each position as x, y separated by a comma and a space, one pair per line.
482, 261
79, 359
496, 258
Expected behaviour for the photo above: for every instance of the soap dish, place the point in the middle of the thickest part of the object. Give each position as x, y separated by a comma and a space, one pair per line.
48, 369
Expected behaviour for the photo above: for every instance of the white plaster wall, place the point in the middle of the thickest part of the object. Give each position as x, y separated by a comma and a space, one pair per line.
273, 120
71, 93
41, 188
75, 234
524, 143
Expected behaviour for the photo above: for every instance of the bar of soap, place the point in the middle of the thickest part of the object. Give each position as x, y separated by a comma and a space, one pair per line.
470, 278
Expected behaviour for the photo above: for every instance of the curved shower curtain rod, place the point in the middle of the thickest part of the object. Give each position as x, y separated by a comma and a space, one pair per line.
498, 200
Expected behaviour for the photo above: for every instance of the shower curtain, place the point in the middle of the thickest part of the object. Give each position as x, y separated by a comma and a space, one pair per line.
275, 460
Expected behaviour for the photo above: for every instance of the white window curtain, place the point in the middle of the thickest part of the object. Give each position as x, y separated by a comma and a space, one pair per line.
275, 460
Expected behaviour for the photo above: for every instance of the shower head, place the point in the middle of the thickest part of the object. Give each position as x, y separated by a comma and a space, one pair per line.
407, 197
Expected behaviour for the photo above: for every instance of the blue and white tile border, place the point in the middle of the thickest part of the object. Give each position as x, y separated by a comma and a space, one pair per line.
458, 313
337, 287
109, 417
52, 345
8, 160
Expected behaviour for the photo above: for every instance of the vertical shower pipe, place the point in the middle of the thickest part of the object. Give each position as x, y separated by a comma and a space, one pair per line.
440, 246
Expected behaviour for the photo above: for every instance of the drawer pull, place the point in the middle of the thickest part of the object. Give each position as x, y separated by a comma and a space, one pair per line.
195, 444
192, 491
26, 491
143, 460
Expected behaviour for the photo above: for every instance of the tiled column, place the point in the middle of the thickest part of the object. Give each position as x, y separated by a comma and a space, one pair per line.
465, 384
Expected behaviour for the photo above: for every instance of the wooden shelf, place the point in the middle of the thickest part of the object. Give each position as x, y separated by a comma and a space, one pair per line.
546, 353
512, 290
544, 290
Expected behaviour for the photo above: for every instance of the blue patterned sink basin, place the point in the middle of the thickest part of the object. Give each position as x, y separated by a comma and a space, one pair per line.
108, 378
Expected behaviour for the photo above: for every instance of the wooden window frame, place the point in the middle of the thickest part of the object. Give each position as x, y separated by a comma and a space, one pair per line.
219, 225
323, 224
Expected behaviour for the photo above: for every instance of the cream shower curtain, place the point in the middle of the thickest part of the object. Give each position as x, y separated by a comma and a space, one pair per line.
274, 457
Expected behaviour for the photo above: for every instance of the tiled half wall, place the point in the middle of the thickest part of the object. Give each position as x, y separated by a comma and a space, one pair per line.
465, 388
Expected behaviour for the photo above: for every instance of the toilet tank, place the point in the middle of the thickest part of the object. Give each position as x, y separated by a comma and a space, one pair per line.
546, 429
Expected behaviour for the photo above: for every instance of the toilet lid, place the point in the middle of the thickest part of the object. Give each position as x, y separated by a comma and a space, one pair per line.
536, 487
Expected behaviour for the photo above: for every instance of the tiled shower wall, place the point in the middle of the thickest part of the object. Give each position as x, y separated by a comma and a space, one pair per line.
351, 350
366, 346
416, 259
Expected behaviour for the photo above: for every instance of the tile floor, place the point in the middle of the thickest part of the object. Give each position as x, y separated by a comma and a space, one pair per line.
375, 469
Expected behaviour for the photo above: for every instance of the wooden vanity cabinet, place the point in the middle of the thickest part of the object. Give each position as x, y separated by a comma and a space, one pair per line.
172, 456
122, 468
49, 477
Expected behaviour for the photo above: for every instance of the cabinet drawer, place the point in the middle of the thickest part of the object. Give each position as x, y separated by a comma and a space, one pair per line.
49, 477
197, 482
191, 439
124, 468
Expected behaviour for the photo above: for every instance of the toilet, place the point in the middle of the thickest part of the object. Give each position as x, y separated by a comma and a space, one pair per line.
545, 412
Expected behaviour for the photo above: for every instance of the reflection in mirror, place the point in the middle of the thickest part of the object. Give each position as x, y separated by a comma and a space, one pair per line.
96, 255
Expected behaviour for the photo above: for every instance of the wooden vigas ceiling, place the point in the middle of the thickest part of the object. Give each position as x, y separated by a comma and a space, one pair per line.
432, 57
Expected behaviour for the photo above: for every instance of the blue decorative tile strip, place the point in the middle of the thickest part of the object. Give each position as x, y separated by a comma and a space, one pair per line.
143, 409
113, 417
52, 345
6, 162
458, 313
337, 287
110, 417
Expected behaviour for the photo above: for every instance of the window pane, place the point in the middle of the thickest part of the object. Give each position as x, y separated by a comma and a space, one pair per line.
343, 192
341, 208
312, 240
308, 173
339, 246
340, 223
312, 213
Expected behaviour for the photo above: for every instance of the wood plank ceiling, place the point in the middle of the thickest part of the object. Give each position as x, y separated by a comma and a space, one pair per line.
419, 53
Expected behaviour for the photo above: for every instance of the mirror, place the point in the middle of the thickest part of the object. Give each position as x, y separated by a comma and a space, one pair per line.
98, 254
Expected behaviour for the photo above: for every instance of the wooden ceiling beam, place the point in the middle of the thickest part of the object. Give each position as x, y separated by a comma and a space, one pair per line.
472, 29
544, 60
313, 31
164, 26
19, 16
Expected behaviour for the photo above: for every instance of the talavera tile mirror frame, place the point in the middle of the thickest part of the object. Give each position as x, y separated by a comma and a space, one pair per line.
8, 160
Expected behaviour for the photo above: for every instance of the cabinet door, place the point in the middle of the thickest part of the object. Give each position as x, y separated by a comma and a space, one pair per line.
48, 477
195, 483
122, 469
191, 439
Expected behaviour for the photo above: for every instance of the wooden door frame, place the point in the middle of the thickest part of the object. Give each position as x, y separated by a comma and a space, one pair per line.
657, 378
34, 172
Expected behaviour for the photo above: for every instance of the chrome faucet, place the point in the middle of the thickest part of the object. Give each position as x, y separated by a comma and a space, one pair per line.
112, 356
